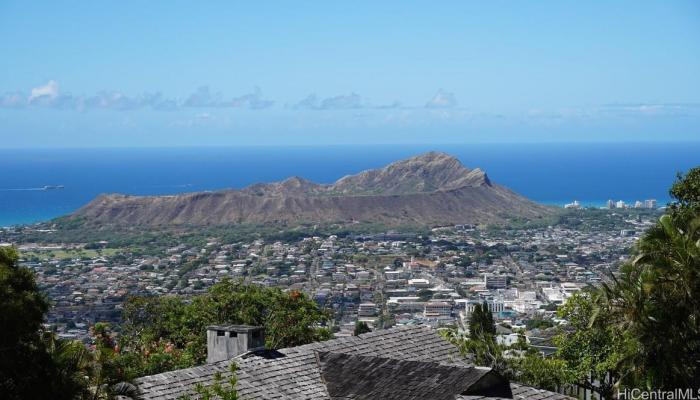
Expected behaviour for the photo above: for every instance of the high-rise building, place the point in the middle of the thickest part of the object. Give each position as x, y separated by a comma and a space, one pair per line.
620, 204
610, 204
575, 205
651, 203
638, 204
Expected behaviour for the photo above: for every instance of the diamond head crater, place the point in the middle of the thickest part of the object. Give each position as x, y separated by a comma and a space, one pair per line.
430, 189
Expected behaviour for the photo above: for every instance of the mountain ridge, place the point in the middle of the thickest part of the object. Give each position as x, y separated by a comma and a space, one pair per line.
430, 189
424, 173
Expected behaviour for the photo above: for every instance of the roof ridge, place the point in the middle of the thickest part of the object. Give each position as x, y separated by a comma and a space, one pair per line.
368, 335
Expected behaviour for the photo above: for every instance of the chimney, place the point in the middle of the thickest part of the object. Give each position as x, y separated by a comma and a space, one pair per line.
228, 341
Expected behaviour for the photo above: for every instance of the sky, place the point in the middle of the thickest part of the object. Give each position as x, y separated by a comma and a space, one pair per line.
176, 73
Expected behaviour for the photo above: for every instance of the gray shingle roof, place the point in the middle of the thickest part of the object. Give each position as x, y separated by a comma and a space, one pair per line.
301, 372
368, 378
522, 392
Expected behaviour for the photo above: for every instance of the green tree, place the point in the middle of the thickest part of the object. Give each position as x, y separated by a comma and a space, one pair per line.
425, 294
655, 299
107, 379
73, 366
34, 364
518, 362
535, 370
481, 343
591, 348
686, 194
26, 368
165, 333
360, 328
481, 322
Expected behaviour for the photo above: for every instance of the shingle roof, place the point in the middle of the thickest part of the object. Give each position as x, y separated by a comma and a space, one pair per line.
302, 372
368, 378
522, 392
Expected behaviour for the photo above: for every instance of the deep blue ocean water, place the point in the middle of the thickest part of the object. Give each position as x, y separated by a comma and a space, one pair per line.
547, 173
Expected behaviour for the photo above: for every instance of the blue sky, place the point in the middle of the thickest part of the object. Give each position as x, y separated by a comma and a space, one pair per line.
134, 73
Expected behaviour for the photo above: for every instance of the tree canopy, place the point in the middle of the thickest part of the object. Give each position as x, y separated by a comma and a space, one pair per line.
360, 328
166, 333
33, 363
481, 322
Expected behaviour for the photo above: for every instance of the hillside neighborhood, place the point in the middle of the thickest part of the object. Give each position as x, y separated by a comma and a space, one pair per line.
382, 280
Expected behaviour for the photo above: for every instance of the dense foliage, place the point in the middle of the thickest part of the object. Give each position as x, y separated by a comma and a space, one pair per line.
165, 333
655, 299
34, 364
360, 328
590, 347
23, 359
481, 322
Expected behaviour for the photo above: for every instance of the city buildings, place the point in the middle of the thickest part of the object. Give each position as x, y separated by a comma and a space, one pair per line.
575, 205
384, 280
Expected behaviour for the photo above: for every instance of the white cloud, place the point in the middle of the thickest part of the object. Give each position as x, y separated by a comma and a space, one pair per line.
660, 108
49, 96
254, 101
13, 100
310, 101
442, 99
203, 97
48, 91
352, 101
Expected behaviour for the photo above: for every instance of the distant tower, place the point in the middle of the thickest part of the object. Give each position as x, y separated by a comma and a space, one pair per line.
610, 204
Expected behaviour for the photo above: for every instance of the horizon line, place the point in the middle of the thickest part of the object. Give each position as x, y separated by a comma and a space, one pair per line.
315, 145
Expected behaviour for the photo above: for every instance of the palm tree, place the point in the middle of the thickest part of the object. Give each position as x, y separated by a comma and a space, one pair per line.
656, 301
79, 375
72, 364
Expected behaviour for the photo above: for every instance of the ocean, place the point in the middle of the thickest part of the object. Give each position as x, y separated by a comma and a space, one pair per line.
546, 173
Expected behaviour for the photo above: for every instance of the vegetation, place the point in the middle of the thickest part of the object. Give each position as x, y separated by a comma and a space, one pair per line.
159, 334
591, 350
166, 333
518, 361
78, 230
639, 330
425, 294
24, 362
43, 255
481, 322
539, 323
220, 390
655, 299
360, 328
34, 364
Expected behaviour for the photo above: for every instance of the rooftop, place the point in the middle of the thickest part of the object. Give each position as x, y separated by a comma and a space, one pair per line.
409, 362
